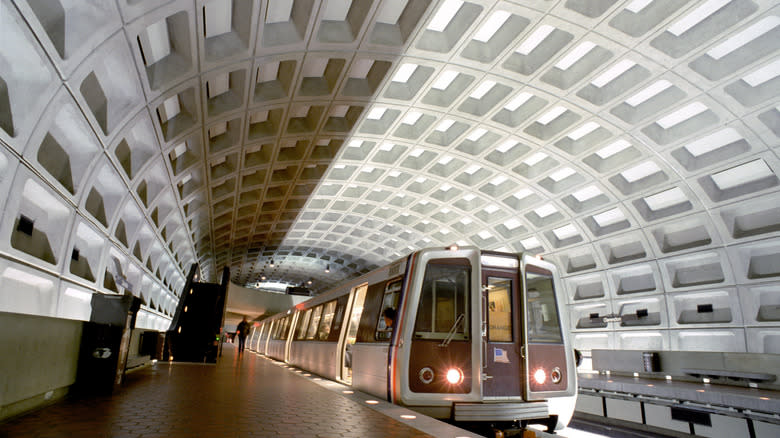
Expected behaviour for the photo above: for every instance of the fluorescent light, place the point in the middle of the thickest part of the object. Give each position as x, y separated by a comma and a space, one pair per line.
474, 168
476, 134
640, 171
535, 39
615, 71
445, 160
535, 159
743, 174
589, 192
396, 174
518, 101
583, 130
609, 217
522, 194
491, 26
445, 125
482, 89
612, 149
465, 221
696, 16
648, 93
713, 141
411, 118
497, 181
367, 169
405, 72
421, 180
444, 80
376, 113
469, 197
744, 37
682, 114
665, 199
575, 55
445, 188
355, 143
636, 6
551, 115
530, 243
416, 152
763, 74
545, 210
386, 146
444, 15
512, 224
485, 235
490, 209
507, 146
562, 174
565, 232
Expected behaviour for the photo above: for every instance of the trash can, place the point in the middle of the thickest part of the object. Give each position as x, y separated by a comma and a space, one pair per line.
104, 343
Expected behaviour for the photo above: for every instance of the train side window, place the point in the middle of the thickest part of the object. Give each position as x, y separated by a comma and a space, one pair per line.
300, 331
338, 319
444, 300
389, 301
315, 322
287, 323
326, 320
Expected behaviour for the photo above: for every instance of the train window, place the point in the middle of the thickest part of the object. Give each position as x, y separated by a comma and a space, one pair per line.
444, 300
389, 301
499, 309
357, 311
300, 331
286, 328
315, 322
326, 320
543, 323
338, 319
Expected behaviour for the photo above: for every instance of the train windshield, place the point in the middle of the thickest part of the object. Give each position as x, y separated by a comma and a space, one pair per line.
541, 310
444, 301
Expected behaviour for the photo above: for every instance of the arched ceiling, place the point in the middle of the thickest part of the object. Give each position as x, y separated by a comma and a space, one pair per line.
345, 134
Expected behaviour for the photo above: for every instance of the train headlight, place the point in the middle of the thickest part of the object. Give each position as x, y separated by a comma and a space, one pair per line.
454, 376
540, 376
426, 375
556, 375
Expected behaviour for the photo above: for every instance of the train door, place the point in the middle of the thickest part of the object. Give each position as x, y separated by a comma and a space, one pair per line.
502, 361
348, 336
547, 358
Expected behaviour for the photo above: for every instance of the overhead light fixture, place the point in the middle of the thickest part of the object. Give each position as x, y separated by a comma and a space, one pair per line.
327, 268
272, 263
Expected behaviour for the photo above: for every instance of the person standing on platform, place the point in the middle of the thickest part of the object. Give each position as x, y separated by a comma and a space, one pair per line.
242, 331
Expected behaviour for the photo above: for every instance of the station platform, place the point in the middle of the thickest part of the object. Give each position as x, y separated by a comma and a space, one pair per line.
248, 396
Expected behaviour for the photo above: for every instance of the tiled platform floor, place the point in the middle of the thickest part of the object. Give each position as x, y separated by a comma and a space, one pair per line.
246, 397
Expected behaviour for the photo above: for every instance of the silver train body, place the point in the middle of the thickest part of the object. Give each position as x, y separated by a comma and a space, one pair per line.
477, 337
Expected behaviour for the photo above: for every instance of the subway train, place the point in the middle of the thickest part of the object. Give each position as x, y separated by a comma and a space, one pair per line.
471, 336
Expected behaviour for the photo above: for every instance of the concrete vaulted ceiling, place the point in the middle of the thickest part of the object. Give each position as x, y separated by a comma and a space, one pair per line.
634, 143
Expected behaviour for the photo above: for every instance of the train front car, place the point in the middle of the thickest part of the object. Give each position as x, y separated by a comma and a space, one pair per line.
485, 340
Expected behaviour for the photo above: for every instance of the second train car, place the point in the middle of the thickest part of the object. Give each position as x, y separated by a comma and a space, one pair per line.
473, 336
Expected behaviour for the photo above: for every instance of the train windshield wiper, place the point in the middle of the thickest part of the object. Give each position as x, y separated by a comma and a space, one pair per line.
451, 333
